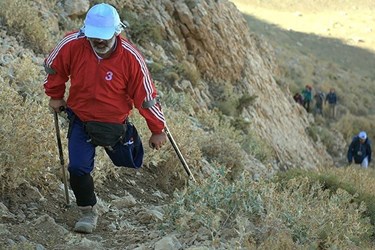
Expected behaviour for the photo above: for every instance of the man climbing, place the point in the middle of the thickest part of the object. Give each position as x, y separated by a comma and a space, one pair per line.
360, 150
307, 97
108, 77
319, 98
298, 98
332, 101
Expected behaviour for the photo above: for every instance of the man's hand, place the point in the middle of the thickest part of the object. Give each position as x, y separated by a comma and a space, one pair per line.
56, 104
157, 140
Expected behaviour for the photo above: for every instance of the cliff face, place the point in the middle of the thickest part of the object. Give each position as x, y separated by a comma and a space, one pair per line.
215, 39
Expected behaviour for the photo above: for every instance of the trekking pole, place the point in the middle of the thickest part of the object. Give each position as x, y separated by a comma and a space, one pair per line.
169, 135
62, 163
178, 152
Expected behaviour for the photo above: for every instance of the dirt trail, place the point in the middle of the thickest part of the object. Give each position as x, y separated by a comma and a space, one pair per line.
129, 208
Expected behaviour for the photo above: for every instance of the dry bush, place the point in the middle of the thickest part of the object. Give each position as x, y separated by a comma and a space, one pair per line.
221, 143
22, 18
351, 125
278, 240
165, 162
353, 105
361, 179
223, 150
189, 71
27, 78
27, 72
226, 145
143, 29
28, 151
215, 205
331, 139
355, 180
317, 217
255, 146
297, 214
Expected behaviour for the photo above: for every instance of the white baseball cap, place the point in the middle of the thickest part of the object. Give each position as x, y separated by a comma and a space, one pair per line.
102, 21
362, 135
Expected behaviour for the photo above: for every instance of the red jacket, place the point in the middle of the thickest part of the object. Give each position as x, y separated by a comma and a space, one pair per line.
102, 89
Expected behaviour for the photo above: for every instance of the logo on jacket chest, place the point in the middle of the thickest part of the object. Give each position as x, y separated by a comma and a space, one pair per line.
109, 76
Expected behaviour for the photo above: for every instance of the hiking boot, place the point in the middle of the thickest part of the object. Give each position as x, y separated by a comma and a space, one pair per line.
87, 223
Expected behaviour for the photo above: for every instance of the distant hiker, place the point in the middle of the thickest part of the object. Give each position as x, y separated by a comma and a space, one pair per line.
332, 101
108, 76
307, 97
298, 98
319, 99
360, 150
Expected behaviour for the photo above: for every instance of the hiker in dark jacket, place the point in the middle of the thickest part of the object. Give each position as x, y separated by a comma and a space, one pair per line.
298, 98
319, 98
360, 150
331, 98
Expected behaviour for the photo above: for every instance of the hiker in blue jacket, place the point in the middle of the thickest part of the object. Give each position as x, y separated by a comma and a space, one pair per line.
331, 98
360, 150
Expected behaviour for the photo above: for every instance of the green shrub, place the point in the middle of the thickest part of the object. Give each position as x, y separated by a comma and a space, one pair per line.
255, 146
228, 106
142, 29
189, 71
245, 101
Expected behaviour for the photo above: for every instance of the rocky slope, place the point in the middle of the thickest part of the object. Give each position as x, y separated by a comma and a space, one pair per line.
211, 37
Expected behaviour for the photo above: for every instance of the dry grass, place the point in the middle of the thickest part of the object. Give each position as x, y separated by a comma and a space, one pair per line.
28, 150
297, 213
21, 16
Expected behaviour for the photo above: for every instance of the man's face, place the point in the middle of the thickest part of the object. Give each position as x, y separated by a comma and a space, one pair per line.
102, 46
362, 140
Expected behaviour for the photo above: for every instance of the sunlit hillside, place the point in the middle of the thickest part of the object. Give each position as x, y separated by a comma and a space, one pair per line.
328, 44
350, 21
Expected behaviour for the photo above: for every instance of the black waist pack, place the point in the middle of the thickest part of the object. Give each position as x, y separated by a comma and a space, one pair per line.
105, 134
